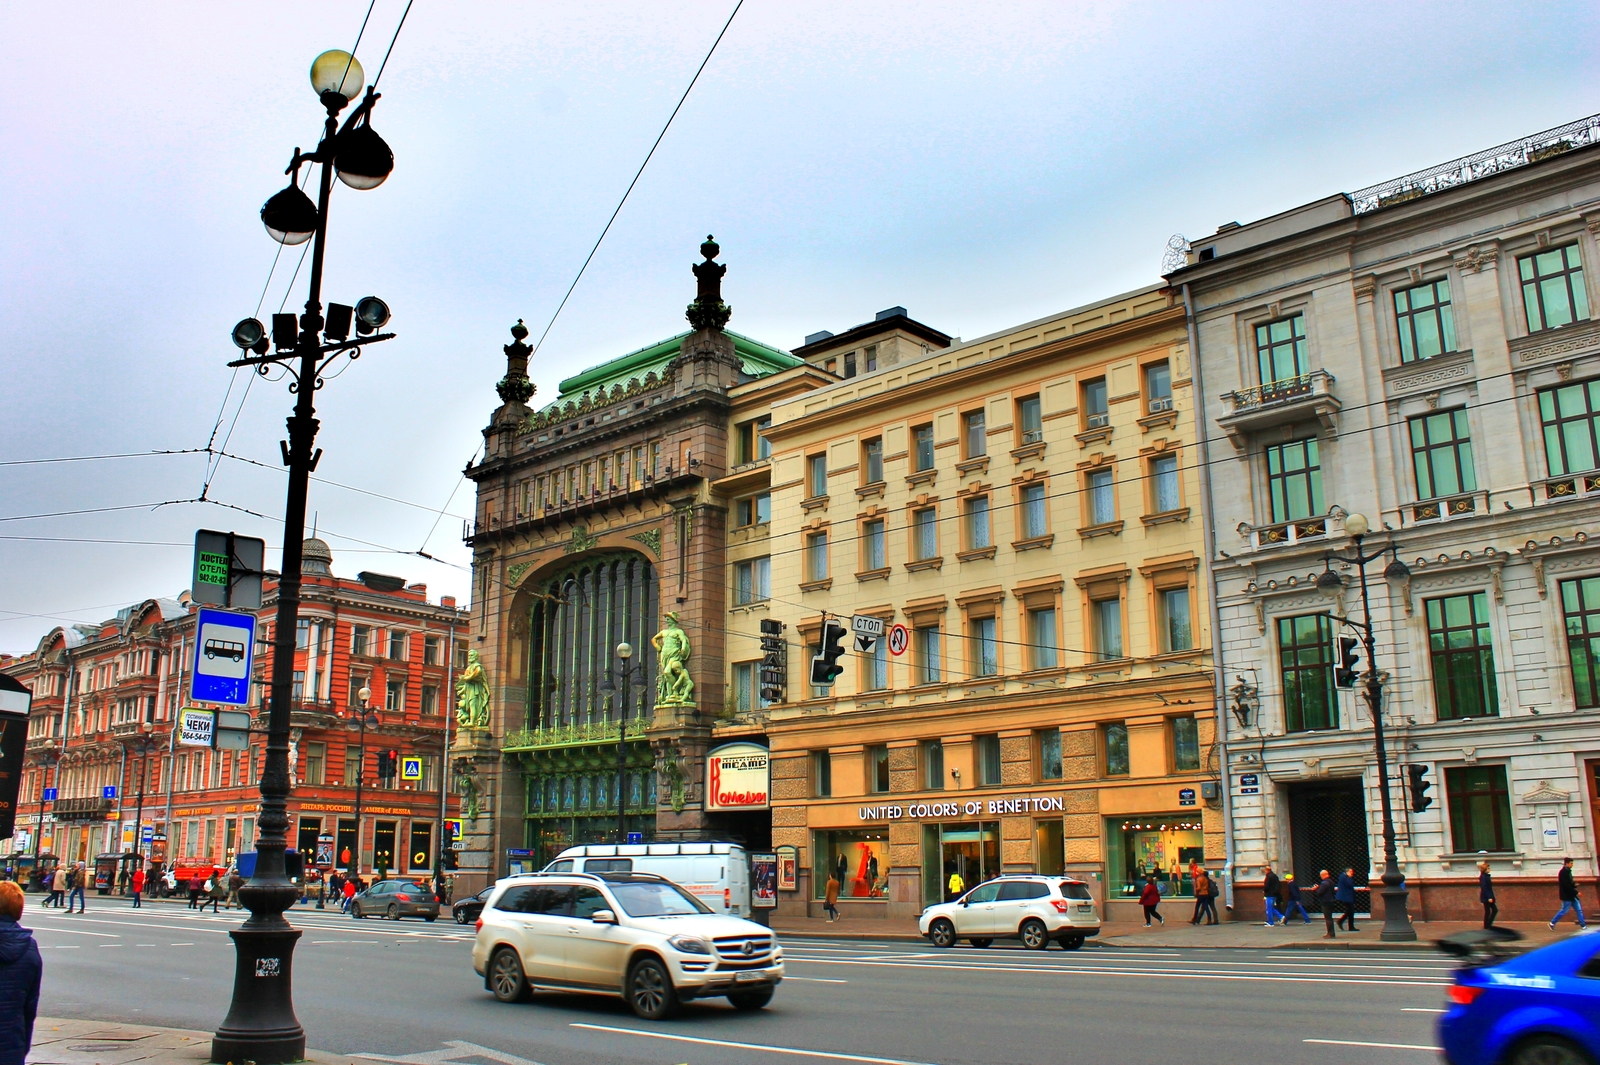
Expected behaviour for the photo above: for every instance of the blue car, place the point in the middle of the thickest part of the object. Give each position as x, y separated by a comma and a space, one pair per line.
1540, 1008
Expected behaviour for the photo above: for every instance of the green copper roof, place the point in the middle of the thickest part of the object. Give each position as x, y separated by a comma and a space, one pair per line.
755, 359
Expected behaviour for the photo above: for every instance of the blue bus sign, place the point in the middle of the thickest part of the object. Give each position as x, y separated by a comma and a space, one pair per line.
224, 651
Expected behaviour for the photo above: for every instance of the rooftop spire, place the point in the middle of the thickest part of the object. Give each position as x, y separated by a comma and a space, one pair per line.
708, 311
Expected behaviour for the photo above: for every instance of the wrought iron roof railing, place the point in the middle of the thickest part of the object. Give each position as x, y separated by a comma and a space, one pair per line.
1508, 156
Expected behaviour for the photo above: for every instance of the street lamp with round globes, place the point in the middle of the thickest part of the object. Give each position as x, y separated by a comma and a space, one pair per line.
1356, 525
624, 650
337, 71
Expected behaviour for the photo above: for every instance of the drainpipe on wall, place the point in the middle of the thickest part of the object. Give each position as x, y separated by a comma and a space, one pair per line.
1209, 529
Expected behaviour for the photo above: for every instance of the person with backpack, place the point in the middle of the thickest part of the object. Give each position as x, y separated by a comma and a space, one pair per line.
1292, 901
1567, 889
1202, 894
75, 885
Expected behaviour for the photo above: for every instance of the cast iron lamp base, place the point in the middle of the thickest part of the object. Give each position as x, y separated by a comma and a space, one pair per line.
261, 1025
1397, 927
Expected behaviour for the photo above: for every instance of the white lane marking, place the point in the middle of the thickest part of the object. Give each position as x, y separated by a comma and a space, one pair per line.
815, 980
129, 924
180, 944
1421, 1009
1182, 974
793, 1051
1380, 1046
144, 944
459, 1050
1019, 958
76, 932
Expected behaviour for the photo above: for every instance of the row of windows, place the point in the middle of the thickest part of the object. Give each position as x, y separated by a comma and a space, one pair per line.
1183, 745
618, 471
1441, 452
1553, 295
370, 642
1460, 655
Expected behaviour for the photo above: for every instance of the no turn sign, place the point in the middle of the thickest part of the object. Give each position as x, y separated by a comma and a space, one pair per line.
899, 640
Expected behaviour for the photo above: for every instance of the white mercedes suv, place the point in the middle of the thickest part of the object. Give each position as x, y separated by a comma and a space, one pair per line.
1032, 908
631, 934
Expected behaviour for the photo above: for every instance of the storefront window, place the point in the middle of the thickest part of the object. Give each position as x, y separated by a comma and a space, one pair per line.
970, 851
860, 860
1158, 846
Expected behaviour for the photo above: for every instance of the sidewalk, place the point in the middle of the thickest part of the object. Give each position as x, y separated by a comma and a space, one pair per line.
1229, 934
57, 1041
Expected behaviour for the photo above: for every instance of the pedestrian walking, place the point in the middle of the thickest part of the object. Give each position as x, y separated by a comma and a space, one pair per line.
1150, 899
349, 893
58, 887
955, 884
830, 899
1486, 895
216, 891
1324, 894
1292, 901
21, 969
1568, 890
1344, 893
137, 883
75, 884
1213, 889
235, 882
1269, 894
1202, 889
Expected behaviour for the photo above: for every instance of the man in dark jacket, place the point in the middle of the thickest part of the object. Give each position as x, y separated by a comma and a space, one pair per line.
1486, 895
1344, 893
1269, 894
1324, 894
21, 969
1569, 896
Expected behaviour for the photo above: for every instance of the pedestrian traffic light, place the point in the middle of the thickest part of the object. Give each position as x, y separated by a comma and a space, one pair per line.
449, 857
825, 667
1418, 778
1345, 673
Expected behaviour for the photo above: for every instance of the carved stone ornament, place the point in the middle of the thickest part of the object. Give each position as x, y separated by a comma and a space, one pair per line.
708, 311
515, 387
1478, 258
1545, 792
650, 538
514, 573
581, 540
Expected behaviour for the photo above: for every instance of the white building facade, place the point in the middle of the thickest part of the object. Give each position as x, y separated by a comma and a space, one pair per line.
1425, 353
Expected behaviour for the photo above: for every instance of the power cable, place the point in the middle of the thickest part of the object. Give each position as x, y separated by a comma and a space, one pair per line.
650, 154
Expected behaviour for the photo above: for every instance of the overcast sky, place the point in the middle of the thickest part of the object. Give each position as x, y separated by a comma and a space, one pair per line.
981, 164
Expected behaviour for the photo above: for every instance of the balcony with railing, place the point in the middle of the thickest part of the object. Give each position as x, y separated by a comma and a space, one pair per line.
1572, 486
1286, 533
1444, 508
1276, 403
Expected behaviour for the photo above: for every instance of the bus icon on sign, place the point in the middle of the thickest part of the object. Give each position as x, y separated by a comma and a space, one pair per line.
225, 649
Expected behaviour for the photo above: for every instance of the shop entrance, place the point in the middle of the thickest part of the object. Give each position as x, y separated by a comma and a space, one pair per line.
383, 836
971, 851
1328, 827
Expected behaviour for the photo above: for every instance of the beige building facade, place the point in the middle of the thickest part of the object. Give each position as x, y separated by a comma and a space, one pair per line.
1015, 511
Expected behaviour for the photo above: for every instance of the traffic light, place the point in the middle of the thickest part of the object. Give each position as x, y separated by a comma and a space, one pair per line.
449, 856
392, 767
1418, 778
825, 665
1345, 672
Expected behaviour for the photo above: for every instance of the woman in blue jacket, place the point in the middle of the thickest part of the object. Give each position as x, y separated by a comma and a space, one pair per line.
21, 969
1344, 893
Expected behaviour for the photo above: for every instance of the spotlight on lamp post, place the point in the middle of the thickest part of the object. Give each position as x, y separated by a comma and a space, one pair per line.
261, 1025
1397, 925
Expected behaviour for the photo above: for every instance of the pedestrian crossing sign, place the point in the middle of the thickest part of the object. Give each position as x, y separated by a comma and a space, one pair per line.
411, 769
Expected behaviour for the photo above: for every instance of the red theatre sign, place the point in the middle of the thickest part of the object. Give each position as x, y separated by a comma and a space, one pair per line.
737, 777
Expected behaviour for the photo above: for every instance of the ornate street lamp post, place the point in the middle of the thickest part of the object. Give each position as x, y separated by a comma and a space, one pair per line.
626, 672
1396, 922
49, 757
145, 745
261, 1025
365, 718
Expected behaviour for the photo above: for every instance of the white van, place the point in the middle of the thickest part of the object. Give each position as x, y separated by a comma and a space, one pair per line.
718, 874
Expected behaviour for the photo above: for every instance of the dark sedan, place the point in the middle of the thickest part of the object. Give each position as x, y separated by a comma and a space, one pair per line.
395, 899
467, 910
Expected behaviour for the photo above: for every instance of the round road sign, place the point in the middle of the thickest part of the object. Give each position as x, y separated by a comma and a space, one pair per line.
899, 638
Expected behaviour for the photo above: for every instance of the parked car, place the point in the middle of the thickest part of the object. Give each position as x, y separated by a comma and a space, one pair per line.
395, 899
631, 934
718, 874
467, 910
1035, 909
1539, 1008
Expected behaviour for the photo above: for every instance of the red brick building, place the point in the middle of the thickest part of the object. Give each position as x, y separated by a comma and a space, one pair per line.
106, 698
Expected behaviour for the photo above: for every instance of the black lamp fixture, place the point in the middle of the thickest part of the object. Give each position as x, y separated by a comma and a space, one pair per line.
261, 1025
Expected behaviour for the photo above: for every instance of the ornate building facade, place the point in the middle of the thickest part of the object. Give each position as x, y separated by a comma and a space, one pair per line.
597, 525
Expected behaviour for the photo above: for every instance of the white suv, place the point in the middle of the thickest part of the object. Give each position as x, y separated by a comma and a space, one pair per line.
1034, 909
631, 934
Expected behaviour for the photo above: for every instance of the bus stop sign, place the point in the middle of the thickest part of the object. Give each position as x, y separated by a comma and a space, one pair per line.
224, 650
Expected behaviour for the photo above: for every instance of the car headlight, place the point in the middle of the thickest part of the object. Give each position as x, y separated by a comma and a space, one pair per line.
689, 945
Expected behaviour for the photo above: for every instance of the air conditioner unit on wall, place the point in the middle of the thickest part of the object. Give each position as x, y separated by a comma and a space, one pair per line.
1160, 403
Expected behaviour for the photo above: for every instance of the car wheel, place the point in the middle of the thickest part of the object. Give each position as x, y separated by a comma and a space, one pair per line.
461, 917
394, 911
750, 1000
981, 941
1034, 934
506, 978
942, 933
1548, 1050
355, 910
1070, 942
650, 990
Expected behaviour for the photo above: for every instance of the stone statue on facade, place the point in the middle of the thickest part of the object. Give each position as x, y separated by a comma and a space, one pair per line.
472, 695
467, 787
673, 686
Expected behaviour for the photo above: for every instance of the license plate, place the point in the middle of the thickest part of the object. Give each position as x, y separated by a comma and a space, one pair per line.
1085, 909
748, 978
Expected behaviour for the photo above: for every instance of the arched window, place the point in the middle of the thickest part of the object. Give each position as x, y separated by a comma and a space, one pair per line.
580, 616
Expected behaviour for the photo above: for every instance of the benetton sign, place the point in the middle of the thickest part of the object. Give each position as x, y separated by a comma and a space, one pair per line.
932, 811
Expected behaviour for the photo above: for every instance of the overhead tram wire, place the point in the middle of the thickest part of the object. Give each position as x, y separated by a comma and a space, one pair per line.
638, 174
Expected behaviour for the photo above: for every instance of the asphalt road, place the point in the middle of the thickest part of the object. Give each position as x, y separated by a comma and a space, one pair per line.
406, 993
